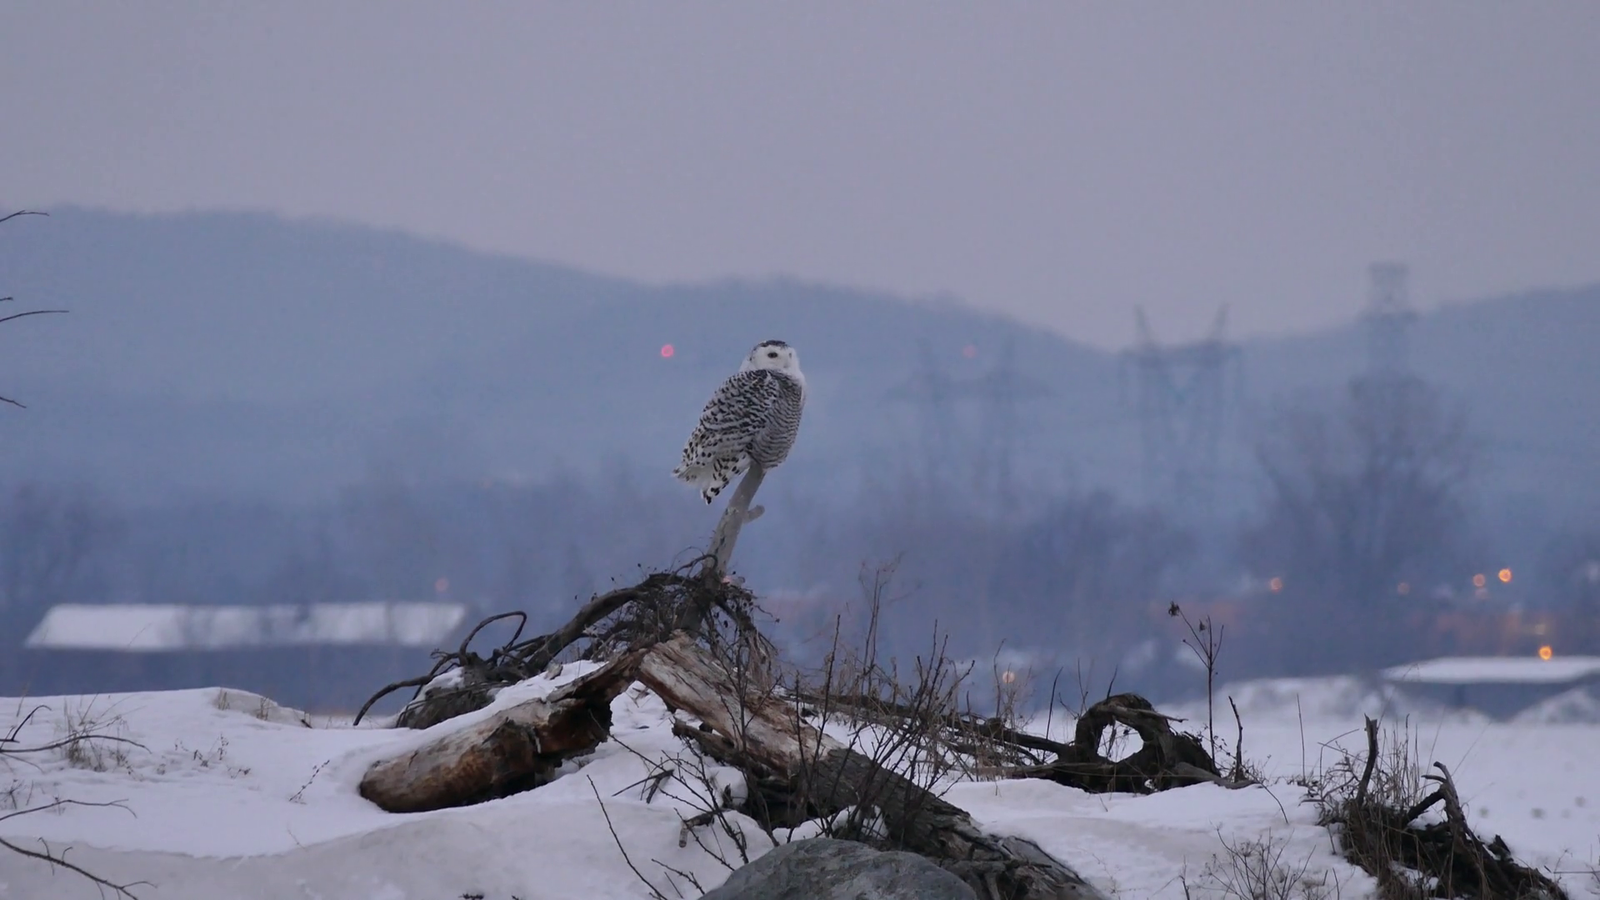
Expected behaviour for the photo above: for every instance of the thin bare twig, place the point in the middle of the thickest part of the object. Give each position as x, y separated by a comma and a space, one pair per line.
59, 858
22, 212
31, 312
654, 892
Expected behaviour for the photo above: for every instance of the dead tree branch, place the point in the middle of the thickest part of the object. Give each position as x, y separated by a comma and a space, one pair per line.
635, 616
738, 513
1167, 759
46, 854
32, 312
22, 212
1410, 860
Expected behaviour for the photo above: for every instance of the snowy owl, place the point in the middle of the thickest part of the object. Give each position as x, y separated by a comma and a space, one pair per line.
754, 415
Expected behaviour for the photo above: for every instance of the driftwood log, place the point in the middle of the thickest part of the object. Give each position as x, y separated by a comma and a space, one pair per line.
513, 750
652, 610
766, 736
641, 614
1167, 758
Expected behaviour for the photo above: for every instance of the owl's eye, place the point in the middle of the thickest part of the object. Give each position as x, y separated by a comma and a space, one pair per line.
772, 354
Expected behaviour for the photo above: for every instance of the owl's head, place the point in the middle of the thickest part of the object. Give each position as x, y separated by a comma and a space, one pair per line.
773, 355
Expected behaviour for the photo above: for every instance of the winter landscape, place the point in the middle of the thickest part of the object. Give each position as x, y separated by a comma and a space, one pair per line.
497, 452
229, 795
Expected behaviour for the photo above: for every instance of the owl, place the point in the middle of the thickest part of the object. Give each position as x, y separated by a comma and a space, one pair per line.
754, 415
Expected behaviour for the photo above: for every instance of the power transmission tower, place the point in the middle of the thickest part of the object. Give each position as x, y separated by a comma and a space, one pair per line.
1000, 390
933, 391
1387, 379
1388, 318
949, 453
1183, 401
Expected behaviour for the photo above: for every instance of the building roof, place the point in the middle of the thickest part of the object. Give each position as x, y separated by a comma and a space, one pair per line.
167, 627
1496, 670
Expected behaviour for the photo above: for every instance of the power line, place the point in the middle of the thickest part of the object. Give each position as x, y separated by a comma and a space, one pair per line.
998, 393
1183, 401
933, 391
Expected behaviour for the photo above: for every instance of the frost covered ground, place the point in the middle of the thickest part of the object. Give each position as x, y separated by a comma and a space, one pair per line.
227, 795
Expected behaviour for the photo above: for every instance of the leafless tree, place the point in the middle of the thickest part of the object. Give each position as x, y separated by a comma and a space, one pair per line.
49, 541
1362, 496
1090, 566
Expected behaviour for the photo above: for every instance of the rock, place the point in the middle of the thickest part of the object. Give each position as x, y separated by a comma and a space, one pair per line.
826, 869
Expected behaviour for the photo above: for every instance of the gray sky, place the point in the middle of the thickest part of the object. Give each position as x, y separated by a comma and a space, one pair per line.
1059, 162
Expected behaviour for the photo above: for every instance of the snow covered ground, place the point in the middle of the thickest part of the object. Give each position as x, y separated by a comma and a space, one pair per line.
227, 795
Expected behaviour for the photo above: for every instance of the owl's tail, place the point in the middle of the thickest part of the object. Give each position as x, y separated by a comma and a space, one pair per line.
702, 476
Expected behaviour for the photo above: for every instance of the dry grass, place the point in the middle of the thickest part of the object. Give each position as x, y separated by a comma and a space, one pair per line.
1375, 804
83, 741
1260, 870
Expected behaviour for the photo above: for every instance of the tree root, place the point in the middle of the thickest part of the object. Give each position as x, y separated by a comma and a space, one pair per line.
1168, 759
663, 603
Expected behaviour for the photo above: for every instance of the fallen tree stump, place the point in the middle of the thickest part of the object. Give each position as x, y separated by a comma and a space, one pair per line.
638, 615
799, 772
1168, 759
513, 750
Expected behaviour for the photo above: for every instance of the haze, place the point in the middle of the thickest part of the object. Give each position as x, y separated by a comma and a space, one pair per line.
1058, 163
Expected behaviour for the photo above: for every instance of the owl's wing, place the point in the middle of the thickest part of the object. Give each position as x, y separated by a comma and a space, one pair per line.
733, 416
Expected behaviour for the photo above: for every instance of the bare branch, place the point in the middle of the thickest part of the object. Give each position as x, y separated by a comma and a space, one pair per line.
737, 515
59, 858
31, 312
613, 829
75, 739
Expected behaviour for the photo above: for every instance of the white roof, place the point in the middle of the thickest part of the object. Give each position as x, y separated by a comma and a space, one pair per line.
157, 627
1497, 669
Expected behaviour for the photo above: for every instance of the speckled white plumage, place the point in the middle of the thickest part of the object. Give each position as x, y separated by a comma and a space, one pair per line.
754, 415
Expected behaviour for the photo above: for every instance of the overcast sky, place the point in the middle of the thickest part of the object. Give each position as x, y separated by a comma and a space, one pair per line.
1059, 162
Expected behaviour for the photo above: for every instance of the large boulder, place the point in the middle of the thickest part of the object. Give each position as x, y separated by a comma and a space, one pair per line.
826, 869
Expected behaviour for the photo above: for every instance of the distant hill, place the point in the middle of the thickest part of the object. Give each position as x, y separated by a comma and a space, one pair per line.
1527, 366
262, 356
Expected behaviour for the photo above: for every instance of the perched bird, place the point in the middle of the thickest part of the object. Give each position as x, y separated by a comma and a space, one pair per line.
754, 415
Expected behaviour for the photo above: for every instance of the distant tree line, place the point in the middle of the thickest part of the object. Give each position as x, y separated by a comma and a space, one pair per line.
1365, 508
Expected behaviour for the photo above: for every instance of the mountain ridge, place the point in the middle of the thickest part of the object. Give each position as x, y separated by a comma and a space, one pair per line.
247, 352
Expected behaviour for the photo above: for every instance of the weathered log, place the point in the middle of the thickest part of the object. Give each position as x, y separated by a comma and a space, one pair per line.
1167, 759
513, 750
635, 613
827, 777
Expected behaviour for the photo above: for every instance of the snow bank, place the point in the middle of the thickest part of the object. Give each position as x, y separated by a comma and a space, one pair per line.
229, 795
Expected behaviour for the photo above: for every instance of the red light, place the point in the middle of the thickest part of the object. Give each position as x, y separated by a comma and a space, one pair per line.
667, 351
969, 351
